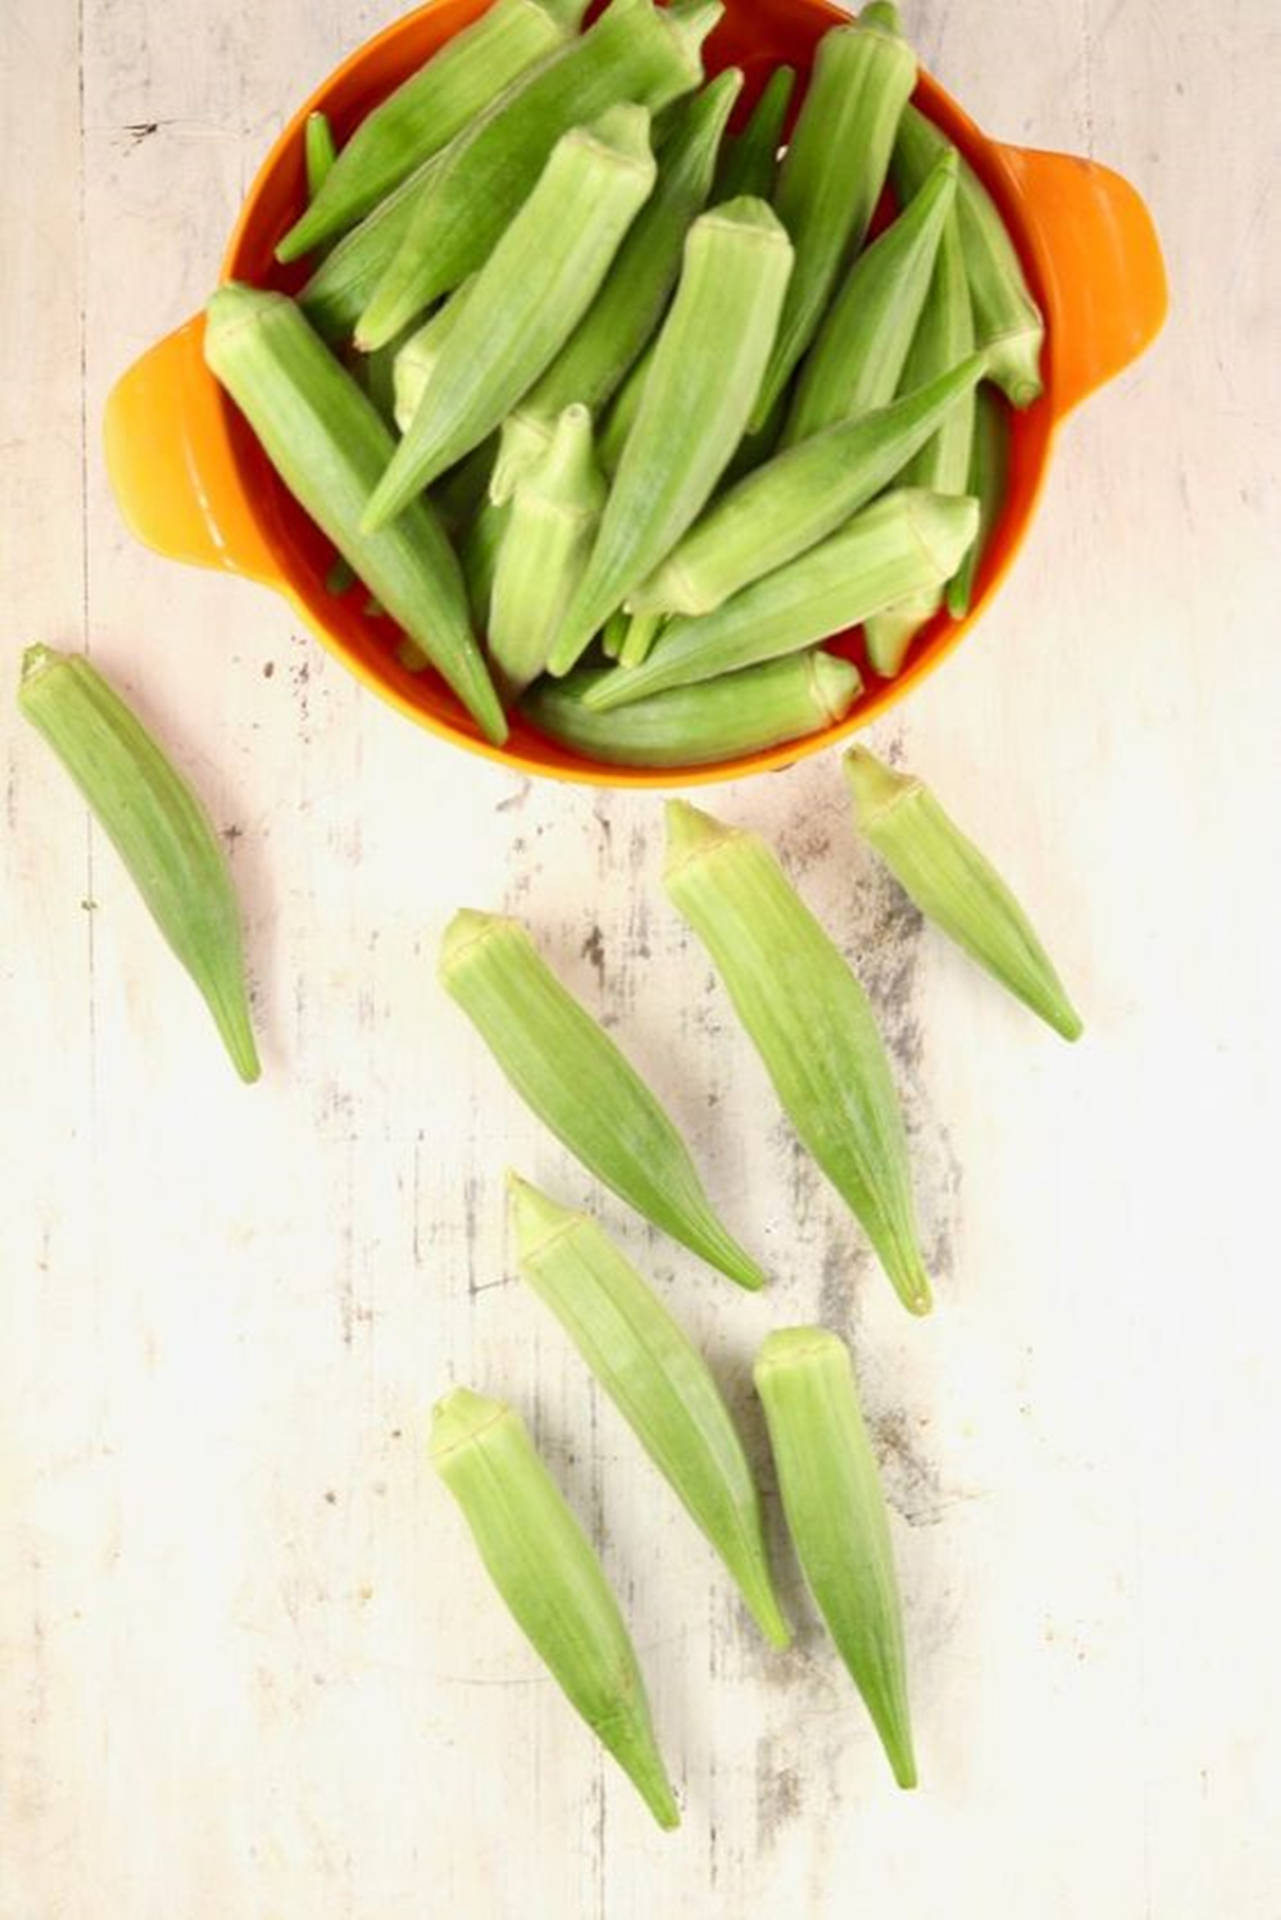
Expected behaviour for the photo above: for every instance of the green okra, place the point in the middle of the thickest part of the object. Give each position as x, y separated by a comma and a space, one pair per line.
858, 357
428, 109
624, 314
526, 300
883, 14
417, 357
697, 394
749, 160
831, 177
836, 1516
657, 1378
478, 555
376, 373
903, 543
325, 439
800, 496
944, 335
1007, 320
955, 886
621, 417
319, 153
344, 281
157, 825
701, 725
459, 494
634, 52
642, 631
810, 1022
543, 551
569, 1072
614, 634
989, 474
550, 1580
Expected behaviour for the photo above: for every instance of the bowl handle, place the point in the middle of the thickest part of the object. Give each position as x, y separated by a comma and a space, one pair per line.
170, 461
1100, 261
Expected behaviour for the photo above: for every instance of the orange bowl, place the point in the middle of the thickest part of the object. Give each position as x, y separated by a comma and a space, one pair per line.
192, 482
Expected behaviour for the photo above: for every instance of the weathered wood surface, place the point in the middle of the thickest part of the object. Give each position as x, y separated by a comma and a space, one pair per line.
249, 1669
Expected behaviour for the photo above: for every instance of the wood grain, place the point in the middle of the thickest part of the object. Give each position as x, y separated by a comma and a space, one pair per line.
249, 1669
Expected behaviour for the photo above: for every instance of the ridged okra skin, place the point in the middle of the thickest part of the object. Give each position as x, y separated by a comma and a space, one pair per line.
836, 1516
635, 52
550, 1580
749, 160
698, 726
810, 1022
569, 1072
803, 494
989, 477
614, 330
551, 522
425, 112
1007, 320
416, 359
156, 824
944, 335
693, 407
658, 1380
319, 152
343, 283
328, 443
831, 178
858, 357
526, 300
903, 543
955, 885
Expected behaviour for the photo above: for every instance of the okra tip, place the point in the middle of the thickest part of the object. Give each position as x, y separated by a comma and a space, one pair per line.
690, 831
459, 1417
468, 926
536, 1218
873, 786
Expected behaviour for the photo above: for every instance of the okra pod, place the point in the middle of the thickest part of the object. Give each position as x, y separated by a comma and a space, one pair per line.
858, 358
698, 726
1007, 320
955, 886
343, 283
550, 1580
635, 52
749, 160
526, 300
156, 824
903, 543
326, 440
569, 1072
810, 1022
425, 112
544, 549
802, 495
989, 472
621, 417
613, 634
831, 177
615, 328
479, 558
642, 631
836, 1516
319, 153
657, 1379
944, 335
459, 494
416, 360
697, 394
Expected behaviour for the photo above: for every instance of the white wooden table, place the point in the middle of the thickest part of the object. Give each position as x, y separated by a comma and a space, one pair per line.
249, 1666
